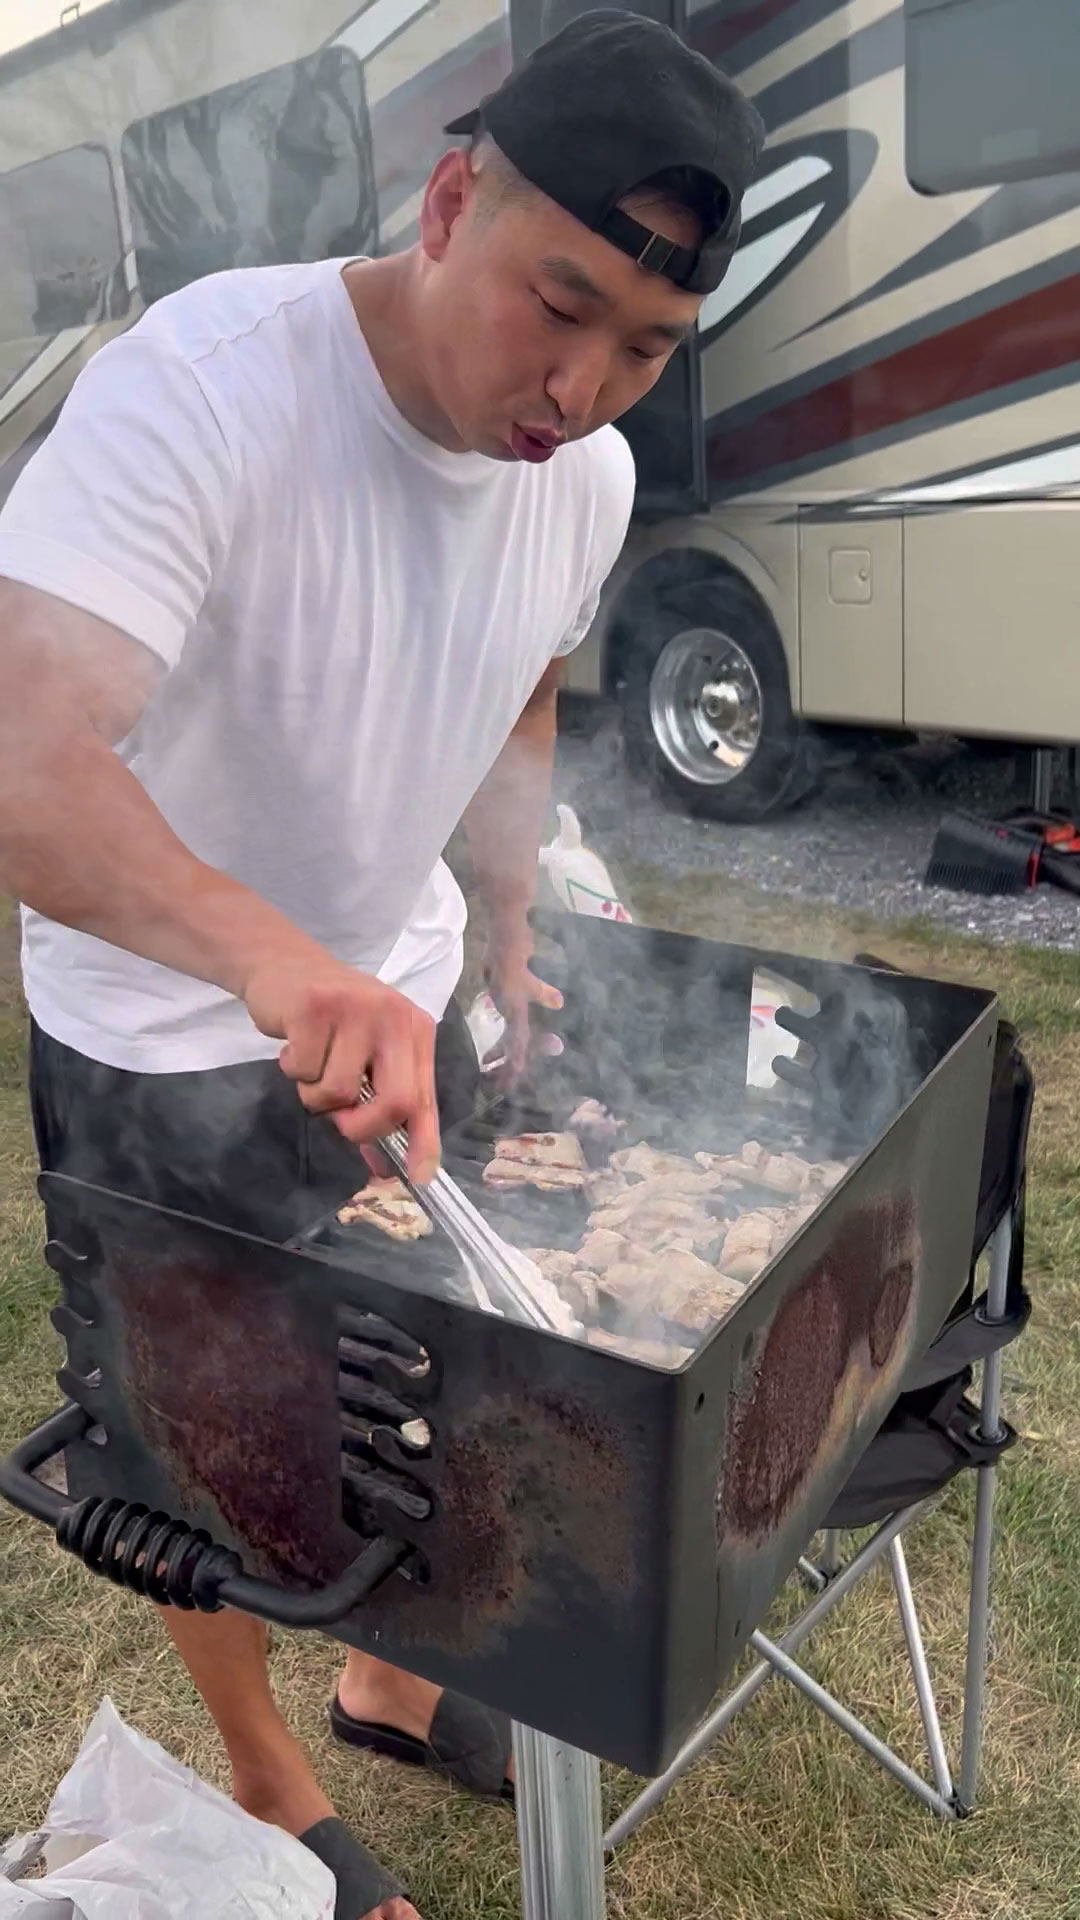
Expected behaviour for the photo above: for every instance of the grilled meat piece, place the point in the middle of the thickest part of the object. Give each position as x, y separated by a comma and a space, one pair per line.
581, 1293
388, 1205
644, 1162
551, 1161
706, 1305
782, 1173
591, 1118
748, 1245
554, 1263
601, 1248
678, 1287
604, 1185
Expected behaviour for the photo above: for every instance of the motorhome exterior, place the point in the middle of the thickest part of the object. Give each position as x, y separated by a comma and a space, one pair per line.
858, 488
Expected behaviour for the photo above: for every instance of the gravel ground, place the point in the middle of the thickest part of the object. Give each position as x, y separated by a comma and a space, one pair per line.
861, 842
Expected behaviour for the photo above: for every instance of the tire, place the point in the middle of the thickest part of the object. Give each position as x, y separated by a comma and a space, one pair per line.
750, 757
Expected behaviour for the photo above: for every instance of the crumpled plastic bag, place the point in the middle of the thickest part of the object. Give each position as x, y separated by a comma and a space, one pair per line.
145, 1839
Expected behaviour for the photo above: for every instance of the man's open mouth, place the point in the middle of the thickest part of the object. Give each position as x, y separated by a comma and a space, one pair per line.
535, 443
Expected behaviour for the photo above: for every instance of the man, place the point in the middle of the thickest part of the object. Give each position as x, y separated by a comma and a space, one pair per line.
286, 594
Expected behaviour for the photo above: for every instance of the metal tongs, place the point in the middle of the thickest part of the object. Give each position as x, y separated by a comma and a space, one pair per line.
487, 1257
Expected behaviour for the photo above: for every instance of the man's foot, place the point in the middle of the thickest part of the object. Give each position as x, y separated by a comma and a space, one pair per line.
370, 1690
380, 1696
282, 1790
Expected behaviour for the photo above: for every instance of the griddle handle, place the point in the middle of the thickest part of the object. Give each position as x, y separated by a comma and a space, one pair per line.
18, 1481
326, 1605
210, 1576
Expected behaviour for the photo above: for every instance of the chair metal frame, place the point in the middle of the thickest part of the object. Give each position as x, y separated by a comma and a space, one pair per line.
560, 1829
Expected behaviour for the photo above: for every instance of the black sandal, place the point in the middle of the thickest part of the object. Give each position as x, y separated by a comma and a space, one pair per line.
362, 1884
468, 1744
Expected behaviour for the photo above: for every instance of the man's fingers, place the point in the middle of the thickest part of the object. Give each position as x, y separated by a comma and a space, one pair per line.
542, 993
425, 1145
346, 1066
303, 1056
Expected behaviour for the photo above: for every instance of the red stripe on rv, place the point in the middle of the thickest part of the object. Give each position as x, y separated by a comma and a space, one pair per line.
714, 37
1035, 334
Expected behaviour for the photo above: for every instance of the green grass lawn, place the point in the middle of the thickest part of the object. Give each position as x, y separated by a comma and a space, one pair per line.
785, 1819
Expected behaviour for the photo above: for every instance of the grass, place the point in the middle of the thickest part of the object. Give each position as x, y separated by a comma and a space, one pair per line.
784, 1818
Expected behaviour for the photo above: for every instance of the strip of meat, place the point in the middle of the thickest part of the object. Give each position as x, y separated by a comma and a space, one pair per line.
551, 1161
388, 1205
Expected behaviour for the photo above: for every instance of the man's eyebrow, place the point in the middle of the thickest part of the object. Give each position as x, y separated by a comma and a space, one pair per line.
576, 280
573, 278
671, 330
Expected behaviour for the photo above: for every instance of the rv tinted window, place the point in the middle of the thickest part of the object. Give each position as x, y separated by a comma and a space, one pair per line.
273, 169
991, 91
61, 251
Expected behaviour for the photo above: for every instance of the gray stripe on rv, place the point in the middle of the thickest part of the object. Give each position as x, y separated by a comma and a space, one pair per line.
868, 54
1009, 211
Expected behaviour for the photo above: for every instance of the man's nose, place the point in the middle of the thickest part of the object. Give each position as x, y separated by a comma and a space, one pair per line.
576, 383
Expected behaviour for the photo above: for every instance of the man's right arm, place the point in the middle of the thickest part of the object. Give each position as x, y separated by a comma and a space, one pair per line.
81, 842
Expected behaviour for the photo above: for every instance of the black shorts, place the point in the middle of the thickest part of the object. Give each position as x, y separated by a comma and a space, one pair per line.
229, 1144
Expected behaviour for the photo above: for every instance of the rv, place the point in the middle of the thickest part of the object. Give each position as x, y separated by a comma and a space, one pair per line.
857, 485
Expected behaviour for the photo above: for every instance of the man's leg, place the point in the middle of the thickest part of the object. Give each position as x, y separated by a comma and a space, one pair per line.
225, 1654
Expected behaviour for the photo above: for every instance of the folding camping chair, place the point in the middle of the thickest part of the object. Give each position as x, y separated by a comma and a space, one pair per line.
934, 1432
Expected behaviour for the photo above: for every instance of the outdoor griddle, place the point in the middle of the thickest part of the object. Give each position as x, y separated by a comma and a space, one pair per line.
578, 1538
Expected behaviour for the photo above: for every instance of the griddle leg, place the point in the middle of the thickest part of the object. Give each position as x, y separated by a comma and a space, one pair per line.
560, 1830
990, 1428
935, 1743
720, 1719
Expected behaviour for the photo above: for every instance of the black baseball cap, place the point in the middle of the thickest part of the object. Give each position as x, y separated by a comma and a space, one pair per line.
606, 104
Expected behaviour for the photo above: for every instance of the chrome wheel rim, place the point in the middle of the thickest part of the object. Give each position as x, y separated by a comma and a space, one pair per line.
706, 706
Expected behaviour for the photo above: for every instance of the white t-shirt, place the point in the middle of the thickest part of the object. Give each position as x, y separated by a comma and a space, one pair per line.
351, 617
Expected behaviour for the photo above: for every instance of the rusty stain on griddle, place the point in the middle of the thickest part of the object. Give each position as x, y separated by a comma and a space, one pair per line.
224, 1380
823, 1365
888, 1313
527, 1478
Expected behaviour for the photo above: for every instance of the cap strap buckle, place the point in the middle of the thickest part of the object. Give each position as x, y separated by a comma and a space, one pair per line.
657, 253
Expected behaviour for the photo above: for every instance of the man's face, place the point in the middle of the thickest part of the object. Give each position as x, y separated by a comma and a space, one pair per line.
539, 330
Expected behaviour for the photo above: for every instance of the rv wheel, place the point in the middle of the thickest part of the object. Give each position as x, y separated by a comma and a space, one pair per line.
706, 702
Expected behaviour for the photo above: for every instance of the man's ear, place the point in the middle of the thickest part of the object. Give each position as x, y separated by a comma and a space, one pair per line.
446, 196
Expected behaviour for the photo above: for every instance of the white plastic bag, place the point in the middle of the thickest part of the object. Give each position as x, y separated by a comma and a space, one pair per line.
145, 1839
581, 883
579, 878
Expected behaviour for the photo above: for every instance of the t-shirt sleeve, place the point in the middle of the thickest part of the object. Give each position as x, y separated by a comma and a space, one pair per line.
614, 503
126, 509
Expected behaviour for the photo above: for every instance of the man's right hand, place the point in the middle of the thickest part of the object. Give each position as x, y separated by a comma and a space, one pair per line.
341, 1027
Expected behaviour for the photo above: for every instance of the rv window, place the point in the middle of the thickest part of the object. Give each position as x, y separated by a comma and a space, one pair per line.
61, 250
272, 169
991, 91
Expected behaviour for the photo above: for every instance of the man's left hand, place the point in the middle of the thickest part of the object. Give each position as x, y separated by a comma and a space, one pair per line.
516, 989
